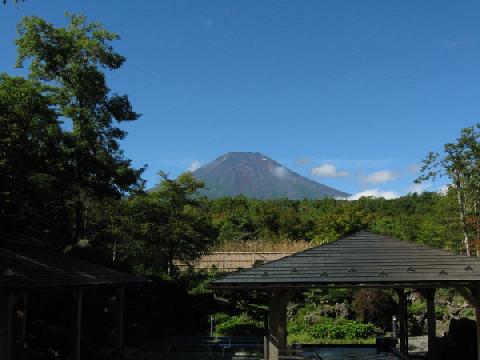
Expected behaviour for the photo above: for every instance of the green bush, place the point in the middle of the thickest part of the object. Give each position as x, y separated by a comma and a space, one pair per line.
334, 329
241, 325
417, 308
468, 312
440, 312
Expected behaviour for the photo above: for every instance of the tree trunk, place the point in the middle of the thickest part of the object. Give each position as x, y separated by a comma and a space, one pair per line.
463, 220
114, 250
477, 228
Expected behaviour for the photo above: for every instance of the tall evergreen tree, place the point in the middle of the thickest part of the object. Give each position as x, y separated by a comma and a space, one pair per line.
72, 61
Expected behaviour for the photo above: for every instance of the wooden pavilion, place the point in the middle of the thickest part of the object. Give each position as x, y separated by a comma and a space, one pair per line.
25, 270
361, 260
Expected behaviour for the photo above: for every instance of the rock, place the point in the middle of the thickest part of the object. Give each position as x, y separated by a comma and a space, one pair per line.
312, 318
328, 311
342, 310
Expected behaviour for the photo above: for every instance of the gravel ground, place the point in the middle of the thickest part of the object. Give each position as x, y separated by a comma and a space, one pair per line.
418, 344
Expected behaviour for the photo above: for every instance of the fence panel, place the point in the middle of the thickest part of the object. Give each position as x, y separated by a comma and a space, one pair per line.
234, 260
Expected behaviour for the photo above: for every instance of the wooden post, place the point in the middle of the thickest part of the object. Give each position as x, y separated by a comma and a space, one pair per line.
76, 335
402, 320
119, 321
429, 295
277, 322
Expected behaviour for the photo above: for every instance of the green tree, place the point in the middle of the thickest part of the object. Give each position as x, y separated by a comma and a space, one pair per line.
460, 162
31, 200
170, 224
71, 61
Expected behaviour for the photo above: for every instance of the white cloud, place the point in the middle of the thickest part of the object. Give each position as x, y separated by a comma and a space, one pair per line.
444, 189
374, 193
279, 171
194, 165
418, 188
379, 177
414, 168
328, 170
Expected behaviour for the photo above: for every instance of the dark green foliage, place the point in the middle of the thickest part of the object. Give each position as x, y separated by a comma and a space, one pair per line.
429, 218
328, 296
32, 204
239, 325
54, 179
151, 230
333, 329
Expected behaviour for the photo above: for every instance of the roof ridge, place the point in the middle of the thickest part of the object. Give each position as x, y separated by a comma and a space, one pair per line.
285, 257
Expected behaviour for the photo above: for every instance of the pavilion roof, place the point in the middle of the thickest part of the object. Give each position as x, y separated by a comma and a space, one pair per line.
35, 268
363, 259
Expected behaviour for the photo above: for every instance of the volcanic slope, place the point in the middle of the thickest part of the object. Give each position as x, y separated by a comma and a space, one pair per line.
257, 176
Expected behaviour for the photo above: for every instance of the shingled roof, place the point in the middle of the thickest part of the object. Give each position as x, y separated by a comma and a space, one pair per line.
35, 268
363, 259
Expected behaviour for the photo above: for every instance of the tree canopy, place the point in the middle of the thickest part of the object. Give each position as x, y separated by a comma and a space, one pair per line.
62, 137
460, 163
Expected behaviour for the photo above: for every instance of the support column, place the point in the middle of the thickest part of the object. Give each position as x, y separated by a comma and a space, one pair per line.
429, 295
76, 332
277, 322
119, 321
402, 319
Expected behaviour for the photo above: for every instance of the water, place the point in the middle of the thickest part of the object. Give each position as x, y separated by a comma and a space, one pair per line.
353, 353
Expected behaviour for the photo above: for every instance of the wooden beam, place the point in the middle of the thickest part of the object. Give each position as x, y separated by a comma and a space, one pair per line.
469, 297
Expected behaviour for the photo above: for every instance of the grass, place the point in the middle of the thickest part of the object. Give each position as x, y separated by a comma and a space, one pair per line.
307, 339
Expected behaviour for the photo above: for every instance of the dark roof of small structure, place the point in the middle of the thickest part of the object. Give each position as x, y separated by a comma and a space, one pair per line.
363, 259
35, 268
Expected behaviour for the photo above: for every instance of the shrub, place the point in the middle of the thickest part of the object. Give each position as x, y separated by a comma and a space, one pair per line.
334, 329
241, 325
418, 308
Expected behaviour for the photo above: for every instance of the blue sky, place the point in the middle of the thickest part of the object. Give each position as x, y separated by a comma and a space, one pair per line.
353, 94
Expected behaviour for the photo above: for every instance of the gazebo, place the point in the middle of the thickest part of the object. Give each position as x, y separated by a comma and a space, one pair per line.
25, 270
361, 260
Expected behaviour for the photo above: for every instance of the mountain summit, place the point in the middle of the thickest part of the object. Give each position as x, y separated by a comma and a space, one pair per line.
257, 176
